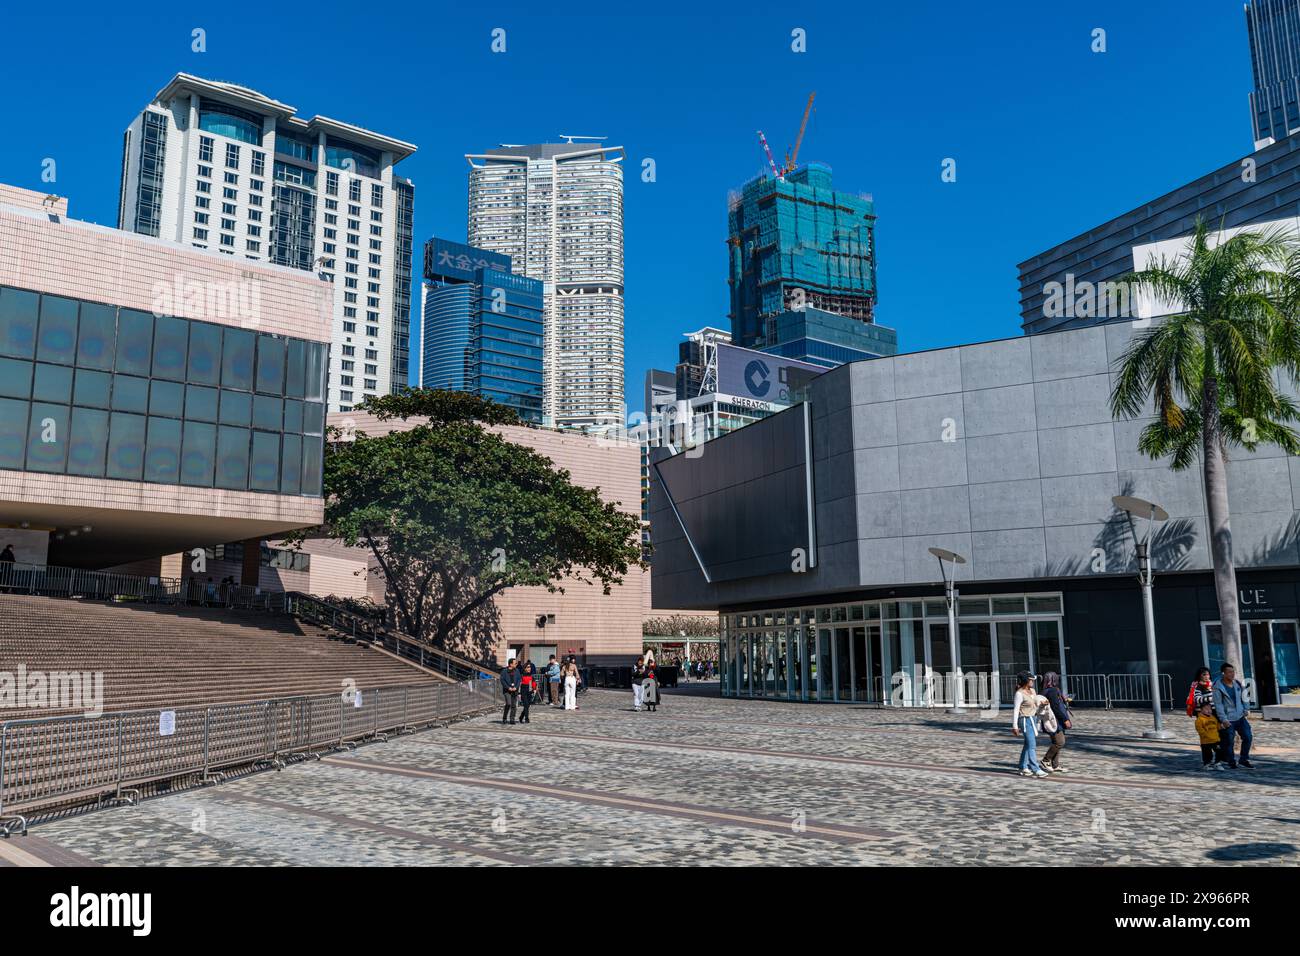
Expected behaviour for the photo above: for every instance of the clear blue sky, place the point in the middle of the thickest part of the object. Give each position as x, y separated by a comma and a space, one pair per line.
1049, 137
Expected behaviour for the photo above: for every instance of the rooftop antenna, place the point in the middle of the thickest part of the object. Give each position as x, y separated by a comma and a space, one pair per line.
570, 138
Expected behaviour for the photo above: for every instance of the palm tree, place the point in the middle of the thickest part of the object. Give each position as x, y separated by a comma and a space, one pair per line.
1209, 370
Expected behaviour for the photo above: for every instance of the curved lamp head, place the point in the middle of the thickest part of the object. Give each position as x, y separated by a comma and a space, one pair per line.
943, 554
1139, 508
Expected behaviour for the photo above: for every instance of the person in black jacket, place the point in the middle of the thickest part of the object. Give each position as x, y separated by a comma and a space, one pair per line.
510, 687
1060, 705
638, 675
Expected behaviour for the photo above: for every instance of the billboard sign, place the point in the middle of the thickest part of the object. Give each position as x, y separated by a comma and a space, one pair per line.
760, 377
445, 260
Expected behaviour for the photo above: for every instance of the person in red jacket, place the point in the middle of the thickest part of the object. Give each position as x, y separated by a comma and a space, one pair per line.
527, 687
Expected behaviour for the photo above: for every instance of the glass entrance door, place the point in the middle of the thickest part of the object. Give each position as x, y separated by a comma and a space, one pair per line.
1286, 656
1212, 641
1013, 656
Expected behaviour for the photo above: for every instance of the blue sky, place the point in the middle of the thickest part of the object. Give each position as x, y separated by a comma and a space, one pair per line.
1049, 137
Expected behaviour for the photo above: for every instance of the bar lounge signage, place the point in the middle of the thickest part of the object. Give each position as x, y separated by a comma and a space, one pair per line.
1254, 602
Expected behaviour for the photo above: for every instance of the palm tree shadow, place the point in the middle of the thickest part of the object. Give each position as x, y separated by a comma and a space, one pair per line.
1113, 547
1281, 547
1251, 852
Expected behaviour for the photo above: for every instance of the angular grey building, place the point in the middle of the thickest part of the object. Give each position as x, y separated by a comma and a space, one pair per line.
809, 531
1274, 30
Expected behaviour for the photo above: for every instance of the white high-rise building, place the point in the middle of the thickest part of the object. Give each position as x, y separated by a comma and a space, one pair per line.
557, 210
220, 166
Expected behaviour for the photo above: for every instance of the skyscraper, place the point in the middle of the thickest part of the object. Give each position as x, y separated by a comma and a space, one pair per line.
1273, 27
556, 209
481, 327
803, 269
220, 166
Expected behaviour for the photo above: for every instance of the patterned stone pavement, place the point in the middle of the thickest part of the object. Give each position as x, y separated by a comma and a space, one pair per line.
721, 782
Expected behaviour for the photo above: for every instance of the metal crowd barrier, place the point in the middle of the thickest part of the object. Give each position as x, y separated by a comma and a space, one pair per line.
50, 580
56, 761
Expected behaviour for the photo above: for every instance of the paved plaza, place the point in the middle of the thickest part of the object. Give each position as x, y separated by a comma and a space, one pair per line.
720, 782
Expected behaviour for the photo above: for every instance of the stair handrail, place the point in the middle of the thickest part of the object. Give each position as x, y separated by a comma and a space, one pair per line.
365, 627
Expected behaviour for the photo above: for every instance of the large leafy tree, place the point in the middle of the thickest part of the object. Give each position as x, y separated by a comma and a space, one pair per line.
454, 513
1209, 372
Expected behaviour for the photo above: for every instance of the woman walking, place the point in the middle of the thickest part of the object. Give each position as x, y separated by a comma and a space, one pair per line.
650, 689
1023, 709
638, 675
570, 671
1059, 705
527, 688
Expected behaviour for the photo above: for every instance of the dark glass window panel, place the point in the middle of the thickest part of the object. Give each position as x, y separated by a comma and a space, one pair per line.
316, 356
96, 336
205, 353
125, 446
236, 407
13, 433
15, 378
134, 341
18, 310
237, 359
88, 442
291, 465
130, 394
270, 365
52, 383
312, 451
313, 418
264, 471
170, 345
232, 458
292, 416
198, 454
47, 438
162, 457
92, 388
295, 384
57, 337
166, 399
268, 413
201, 403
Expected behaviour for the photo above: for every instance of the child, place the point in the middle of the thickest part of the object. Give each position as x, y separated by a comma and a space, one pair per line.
1207, 727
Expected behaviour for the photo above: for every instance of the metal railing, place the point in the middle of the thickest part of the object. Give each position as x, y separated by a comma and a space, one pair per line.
49, 580
64, 761
363, 627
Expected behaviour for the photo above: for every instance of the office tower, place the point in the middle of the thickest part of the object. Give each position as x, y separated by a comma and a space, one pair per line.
481, 327
1273, 27
803, 270
223, 167
556, 209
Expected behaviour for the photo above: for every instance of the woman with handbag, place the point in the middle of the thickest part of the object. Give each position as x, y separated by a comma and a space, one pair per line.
1024, 724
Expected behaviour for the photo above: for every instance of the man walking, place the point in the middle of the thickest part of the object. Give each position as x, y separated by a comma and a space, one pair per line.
510, 687
1232, 708
553, 681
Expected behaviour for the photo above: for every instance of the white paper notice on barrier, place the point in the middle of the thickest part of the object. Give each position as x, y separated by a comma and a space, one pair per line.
356, 699
166, 723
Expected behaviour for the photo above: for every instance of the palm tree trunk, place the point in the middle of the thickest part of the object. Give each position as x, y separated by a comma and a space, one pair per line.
1216, 506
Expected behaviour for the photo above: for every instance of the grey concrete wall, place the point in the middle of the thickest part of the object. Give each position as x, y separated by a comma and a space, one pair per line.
1006, 453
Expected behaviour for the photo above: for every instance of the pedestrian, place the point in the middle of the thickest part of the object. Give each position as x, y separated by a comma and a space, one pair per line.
638, 675
570, 670
210, 594
1202, 690
1059, 706
650, 689
510, 688
7, 555
527, 688
552, 682
1233, 709
1207, 728
1023, 716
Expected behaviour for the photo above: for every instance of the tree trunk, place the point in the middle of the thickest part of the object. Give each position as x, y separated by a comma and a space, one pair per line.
1216, 505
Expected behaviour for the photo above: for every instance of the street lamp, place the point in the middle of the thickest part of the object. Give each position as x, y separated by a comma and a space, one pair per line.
950, 595
1146, 577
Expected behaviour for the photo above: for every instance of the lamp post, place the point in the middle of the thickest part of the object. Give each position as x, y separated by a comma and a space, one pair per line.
947, 557
1146, 577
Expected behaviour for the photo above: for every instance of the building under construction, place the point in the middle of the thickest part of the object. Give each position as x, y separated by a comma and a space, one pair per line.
803, 269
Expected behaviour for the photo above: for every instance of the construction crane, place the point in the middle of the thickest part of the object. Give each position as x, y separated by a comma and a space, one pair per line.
770, 161
791, 158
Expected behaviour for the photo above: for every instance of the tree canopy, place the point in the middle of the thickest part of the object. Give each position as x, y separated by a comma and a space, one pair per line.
455, 513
